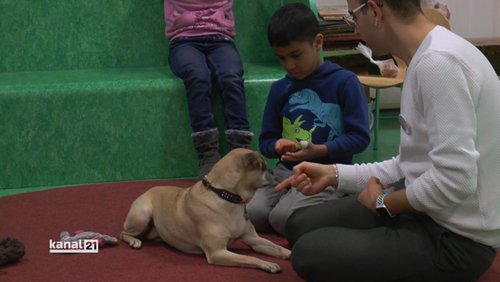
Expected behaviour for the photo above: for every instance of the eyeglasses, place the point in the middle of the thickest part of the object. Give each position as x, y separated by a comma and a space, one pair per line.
351, 17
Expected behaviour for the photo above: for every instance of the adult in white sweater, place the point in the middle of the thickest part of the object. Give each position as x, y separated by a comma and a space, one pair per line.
443, 223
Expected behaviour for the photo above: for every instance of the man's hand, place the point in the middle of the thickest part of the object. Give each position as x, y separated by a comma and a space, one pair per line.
396, 201
368, 197
309, 178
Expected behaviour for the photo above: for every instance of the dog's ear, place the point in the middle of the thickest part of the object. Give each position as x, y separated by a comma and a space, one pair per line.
254, 161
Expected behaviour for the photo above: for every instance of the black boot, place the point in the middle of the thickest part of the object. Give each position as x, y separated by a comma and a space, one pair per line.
238, 138
206, 144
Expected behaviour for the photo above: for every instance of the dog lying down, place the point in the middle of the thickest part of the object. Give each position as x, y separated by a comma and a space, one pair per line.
206, 217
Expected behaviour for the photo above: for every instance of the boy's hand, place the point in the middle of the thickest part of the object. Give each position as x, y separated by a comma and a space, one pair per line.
312, 151
284, 146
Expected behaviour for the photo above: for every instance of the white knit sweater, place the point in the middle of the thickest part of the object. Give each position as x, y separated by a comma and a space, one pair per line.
450, 139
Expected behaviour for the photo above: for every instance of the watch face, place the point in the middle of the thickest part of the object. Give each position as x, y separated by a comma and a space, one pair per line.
383, 212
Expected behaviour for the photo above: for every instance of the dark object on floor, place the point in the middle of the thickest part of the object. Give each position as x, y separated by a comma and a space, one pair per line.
11, 250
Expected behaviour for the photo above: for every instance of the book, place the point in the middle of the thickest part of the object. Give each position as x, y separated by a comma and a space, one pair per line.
331, 12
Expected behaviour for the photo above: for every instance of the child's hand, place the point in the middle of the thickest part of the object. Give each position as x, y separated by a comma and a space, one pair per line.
310, 152
284, 146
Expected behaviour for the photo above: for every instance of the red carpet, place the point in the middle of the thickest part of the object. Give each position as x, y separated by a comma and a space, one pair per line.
35, 218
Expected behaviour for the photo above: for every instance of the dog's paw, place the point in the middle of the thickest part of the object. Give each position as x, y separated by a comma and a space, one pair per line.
135, 243
271, 267
281, 252
285, 253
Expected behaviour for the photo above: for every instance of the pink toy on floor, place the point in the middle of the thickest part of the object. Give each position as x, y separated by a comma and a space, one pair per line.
80, 235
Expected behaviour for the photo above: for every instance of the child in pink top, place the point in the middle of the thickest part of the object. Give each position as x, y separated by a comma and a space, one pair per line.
203, 54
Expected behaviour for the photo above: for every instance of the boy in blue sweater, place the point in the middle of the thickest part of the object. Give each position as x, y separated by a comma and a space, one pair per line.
317, 103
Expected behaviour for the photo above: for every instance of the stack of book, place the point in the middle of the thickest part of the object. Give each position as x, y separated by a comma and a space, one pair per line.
338, 34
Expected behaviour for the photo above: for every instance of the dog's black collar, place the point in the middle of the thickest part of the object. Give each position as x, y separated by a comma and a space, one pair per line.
224, 194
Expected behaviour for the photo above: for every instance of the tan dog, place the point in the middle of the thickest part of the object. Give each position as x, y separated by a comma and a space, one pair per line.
207, 216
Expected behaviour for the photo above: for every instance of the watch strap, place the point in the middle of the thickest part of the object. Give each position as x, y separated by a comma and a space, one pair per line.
381, 207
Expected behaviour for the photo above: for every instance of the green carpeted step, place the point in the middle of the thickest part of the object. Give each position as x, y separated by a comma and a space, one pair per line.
86, 94
88, 126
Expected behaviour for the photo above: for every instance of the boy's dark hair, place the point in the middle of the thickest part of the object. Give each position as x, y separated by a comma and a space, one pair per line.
292, 22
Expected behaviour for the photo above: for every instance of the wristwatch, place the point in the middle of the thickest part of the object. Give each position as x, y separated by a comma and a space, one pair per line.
381, 208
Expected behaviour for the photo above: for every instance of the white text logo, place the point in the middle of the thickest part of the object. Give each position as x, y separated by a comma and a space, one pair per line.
85, 246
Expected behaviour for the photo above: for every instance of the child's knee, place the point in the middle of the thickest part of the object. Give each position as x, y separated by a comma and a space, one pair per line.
278, 218
259, 217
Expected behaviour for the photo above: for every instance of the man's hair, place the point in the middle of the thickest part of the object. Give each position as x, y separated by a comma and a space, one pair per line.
404, 9
292, 22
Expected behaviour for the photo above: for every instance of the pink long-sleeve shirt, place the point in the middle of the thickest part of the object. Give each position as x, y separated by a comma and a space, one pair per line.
187, 18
